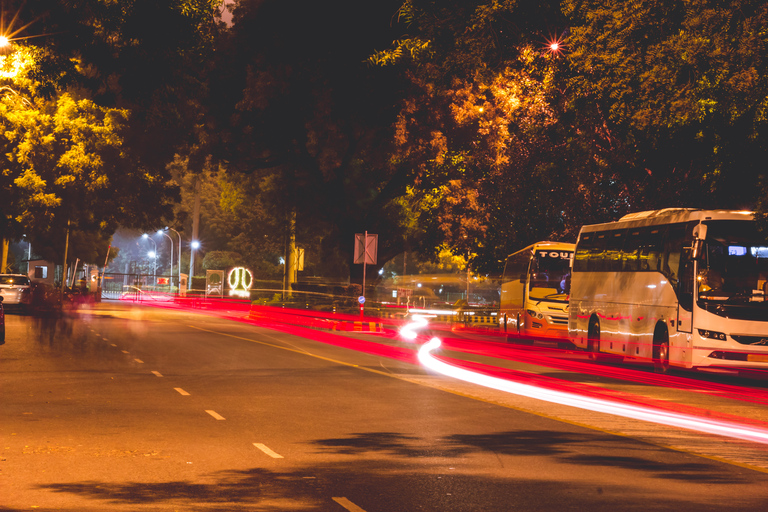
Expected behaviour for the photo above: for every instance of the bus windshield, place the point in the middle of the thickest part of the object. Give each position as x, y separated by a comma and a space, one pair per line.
735, 263
548, 274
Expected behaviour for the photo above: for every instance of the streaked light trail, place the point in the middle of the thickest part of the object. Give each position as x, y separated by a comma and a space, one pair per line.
590, 403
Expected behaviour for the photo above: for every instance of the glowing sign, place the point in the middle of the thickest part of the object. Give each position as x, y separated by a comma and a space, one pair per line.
240, 280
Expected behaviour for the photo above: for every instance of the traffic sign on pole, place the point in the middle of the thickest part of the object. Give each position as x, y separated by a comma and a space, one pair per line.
365, 252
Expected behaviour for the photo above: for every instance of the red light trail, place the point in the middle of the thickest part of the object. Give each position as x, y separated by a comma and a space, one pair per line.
526, 384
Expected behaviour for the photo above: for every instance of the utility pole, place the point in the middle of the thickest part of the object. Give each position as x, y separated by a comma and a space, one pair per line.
195, 230
289, 269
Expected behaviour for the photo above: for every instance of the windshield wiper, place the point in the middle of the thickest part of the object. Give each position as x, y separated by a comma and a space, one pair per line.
746, 295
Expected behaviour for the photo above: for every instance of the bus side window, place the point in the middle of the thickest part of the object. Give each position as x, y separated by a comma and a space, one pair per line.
597, 256
516, 268
651, 250
631, 252
583, 249
613, 245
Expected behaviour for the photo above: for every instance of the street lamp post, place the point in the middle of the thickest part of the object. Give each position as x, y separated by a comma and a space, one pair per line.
152, 255
194, 245
179, 269
170, 281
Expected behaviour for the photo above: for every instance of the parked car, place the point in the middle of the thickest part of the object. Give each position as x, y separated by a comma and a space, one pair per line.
16, 290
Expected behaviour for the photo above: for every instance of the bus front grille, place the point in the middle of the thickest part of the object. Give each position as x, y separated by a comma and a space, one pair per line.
558, 320
750, 340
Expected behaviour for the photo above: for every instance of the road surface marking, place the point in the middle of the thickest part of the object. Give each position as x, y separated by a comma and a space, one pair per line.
182, 392
139, 361
344, 502
158, 374
125, 352
266, 450
215, 414
113, 344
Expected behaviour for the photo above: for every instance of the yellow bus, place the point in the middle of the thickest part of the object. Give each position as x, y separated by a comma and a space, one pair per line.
533, 302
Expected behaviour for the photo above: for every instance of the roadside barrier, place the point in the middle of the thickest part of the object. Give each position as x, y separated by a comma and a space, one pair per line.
313, 319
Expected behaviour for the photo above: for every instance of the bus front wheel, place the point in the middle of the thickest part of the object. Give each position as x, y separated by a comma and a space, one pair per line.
661, 350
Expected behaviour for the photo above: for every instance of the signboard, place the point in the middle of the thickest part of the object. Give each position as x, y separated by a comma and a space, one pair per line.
214, 283
366, 246
240, 280
162, 280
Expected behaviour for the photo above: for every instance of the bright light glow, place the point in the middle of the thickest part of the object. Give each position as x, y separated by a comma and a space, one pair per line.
615, 408
159, 231
4, 41
433, 312
152, 254
408, 331
195, 244
555, 45
145, 235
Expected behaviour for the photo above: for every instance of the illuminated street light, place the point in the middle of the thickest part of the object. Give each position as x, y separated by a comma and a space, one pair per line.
179, 268
555, 45
194, 246
154, 256
161, 232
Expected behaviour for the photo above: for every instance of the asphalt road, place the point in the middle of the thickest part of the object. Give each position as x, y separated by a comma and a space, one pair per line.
135, 408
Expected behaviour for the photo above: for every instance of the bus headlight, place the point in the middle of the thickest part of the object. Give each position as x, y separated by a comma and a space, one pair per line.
534, 314
713, 335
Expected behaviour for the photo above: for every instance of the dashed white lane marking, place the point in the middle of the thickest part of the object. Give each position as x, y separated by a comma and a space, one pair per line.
215, 414
266, 450
184, 393
125, 352
157, 374
139, 361
113, 344
344, 502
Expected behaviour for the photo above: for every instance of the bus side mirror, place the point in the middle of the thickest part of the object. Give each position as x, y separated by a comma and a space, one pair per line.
700, 234
698, 249
567, 289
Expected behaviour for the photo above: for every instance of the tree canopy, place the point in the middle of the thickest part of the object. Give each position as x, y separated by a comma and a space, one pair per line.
107, 93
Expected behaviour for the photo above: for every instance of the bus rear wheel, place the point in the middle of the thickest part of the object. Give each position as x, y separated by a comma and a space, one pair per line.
661, 350
593, 338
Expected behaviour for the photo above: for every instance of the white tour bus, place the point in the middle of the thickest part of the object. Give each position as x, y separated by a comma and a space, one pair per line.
533, 303
679, 287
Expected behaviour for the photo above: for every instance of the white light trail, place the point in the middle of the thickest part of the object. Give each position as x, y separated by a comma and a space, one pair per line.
408, 331
649, 414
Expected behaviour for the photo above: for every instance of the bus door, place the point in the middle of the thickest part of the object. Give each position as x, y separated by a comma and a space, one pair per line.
686, 277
